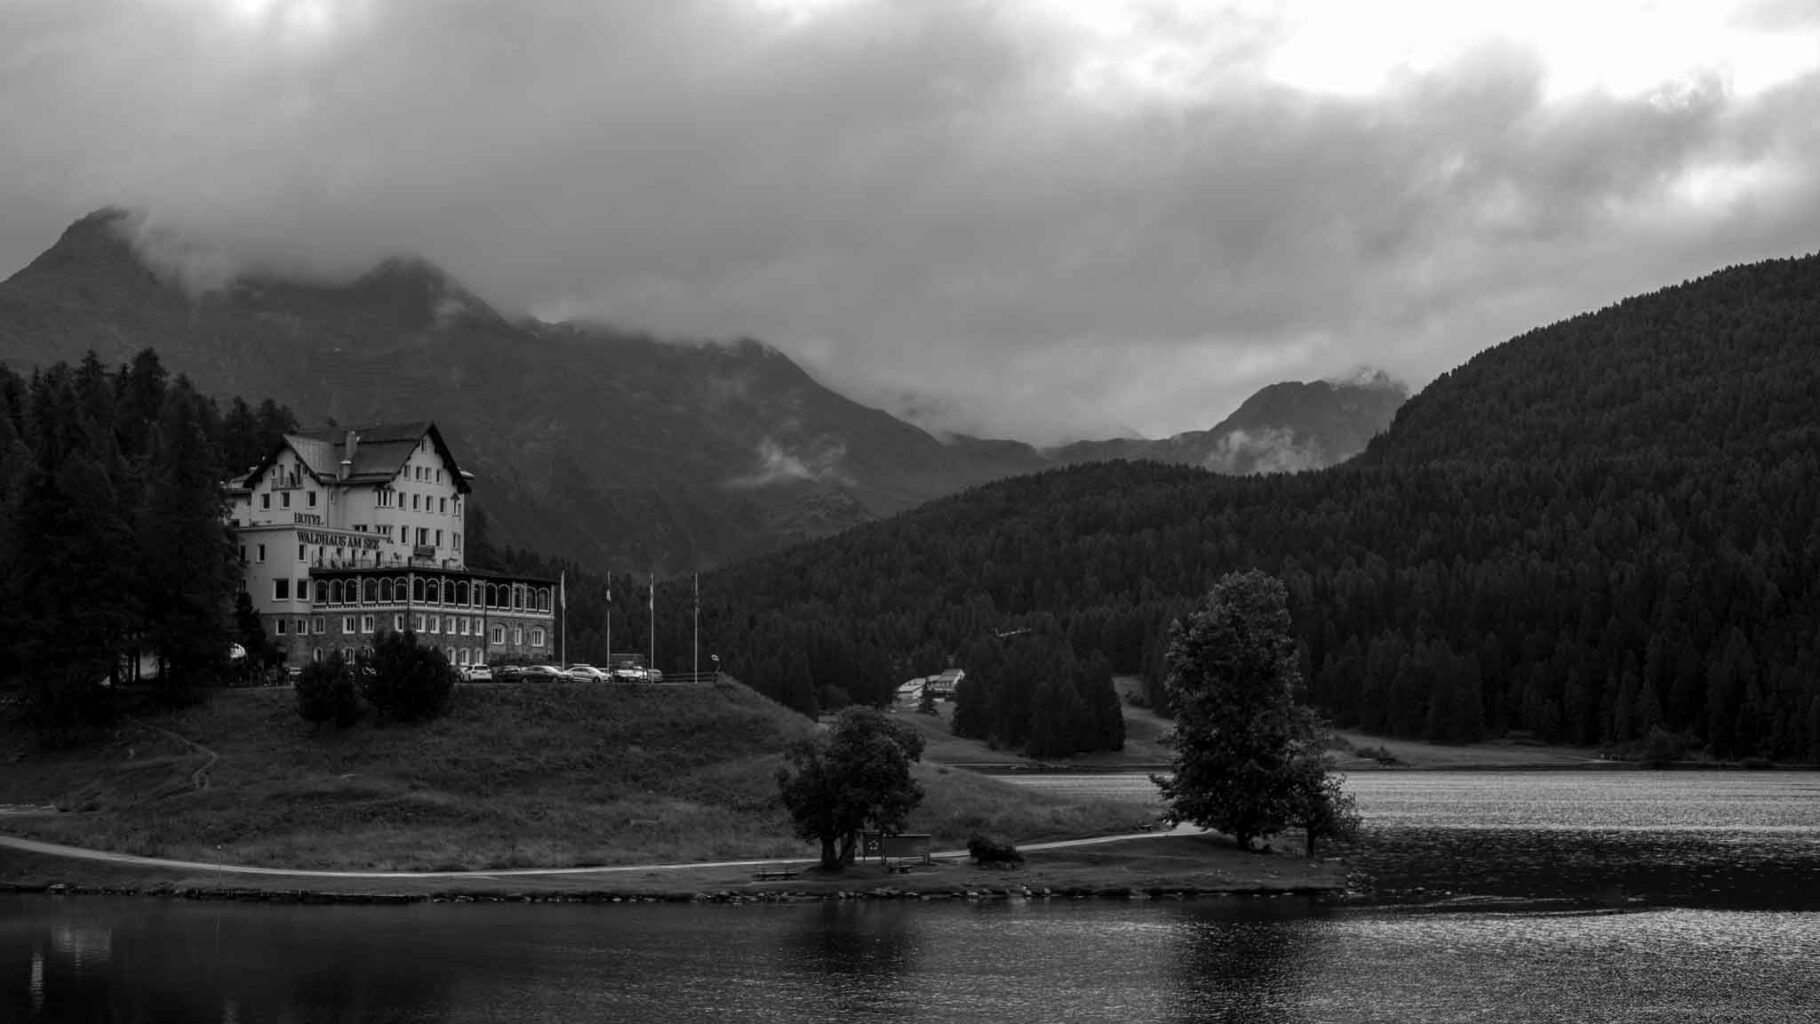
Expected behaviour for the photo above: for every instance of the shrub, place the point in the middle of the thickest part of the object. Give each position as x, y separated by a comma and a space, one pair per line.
986, 850
325, 693
403, 681
1662, 747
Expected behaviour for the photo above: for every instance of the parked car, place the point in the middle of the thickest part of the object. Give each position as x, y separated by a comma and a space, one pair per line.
586, 674
509, 673
653, 676
541, 673
629, 674
478, 674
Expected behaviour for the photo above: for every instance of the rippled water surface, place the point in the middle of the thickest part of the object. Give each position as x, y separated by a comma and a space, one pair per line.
1494, 897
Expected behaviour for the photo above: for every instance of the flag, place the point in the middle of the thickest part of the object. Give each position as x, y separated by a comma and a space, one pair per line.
652, 604
562, 588
609, 588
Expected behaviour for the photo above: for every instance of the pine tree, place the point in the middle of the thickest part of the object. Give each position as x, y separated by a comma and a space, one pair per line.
187, 572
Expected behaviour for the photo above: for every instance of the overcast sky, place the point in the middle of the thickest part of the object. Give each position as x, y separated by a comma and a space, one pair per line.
1040, 219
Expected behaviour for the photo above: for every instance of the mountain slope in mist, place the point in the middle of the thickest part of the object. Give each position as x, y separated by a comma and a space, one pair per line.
611, 447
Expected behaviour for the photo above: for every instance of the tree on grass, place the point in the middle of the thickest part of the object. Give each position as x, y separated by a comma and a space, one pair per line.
854, 775
1248, 758
325, 693
405, 682
1321, 806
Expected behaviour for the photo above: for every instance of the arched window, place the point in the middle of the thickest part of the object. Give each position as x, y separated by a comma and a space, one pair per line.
335, 592
461, 592
372, 590
322, 591
385, 591
432, 592
417, 588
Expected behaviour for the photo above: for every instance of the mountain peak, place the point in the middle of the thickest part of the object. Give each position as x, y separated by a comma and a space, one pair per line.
98, 243
1366, 378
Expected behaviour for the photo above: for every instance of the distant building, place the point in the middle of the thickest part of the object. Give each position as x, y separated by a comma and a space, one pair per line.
946, 683
347, 531
936, 686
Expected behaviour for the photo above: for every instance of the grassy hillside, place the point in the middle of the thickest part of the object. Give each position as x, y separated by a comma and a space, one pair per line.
529, 776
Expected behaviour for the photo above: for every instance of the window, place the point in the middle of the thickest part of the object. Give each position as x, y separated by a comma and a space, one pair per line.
347, 624
458, 542
303, 590
435, 623
301, 557
286, 496
439, 538
499, 634
262, 552
302, 627
311, 501
439, 476
281, 590
518, 636
448, 624
423, 535
414, 502
464, 625
366, 623
464, 656
265, 500
279, 627
316, 654
536, 636
420, 623
442, 504
317, 626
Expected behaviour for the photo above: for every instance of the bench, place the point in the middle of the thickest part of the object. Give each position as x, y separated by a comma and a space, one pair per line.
774, 874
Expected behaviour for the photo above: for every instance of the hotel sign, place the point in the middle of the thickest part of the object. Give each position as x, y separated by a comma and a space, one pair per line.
357, 541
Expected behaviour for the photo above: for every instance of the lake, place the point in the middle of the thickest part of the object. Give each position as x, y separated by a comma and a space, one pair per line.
1514, 896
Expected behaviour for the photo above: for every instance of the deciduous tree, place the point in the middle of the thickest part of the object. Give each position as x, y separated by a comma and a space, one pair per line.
857, 774
1247, 756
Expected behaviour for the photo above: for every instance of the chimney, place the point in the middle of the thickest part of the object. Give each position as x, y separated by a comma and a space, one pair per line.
347, 454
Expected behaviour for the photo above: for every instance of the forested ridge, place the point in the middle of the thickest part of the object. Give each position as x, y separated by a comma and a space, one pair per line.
112, 538
1597, 529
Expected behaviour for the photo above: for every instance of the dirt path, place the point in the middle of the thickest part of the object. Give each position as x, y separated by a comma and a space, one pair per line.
108, 856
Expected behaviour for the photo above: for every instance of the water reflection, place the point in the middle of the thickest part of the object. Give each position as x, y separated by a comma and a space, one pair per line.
856, 955
1245, 963
1540, 900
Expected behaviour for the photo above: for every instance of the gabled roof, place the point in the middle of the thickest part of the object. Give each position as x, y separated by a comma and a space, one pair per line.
379, 451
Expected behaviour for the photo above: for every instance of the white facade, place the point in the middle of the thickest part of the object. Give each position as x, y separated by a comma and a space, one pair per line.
345, 532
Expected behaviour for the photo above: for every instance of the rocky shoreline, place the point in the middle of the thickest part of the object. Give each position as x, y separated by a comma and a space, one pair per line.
946, 893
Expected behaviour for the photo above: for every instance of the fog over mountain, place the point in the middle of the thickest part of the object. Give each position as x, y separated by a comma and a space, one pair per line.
1059, 220
590, 441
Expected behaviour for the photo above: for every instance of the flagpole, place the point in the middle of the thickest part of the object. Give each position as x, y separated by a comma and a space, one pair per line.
651, 652
609, 622
696, 669
562, 590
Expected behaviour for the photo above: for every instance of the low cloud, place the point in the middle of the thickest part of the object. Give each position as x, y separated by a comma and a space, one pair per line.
778, 465
1056, 220
1271, 450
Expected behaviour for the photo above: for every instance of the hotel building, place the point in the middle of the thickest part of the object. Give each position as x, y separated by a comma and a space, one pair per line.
344, 532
